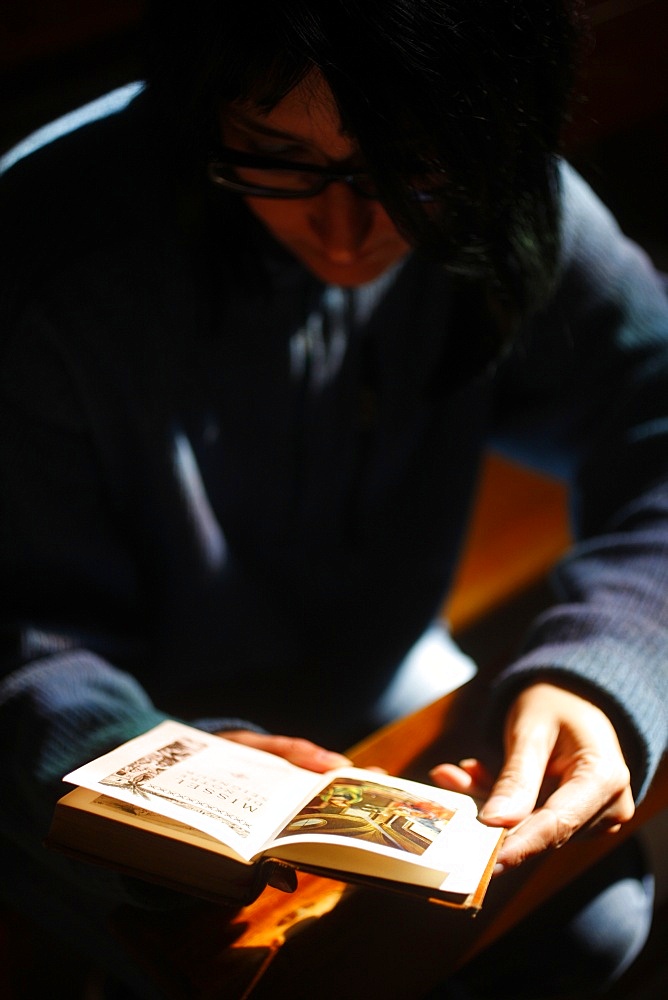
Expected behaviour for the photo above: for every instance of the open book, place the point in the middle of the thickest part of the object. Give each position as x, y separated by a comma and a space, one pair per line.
218, 819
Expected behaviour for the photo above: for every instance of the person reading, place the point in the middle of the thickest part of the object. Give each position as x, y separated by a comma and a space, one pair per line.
263, 312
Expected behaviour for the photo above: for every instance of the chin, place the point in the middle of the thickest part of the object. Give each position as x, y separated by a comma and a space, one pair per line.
348, 275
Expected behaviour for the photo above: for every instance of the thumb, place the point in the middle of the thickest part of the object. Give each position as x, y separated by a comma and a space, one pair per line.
514, 794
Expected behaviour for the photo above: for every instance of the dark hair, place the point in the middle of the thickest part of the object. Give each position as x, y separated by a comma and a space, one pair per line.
473, 89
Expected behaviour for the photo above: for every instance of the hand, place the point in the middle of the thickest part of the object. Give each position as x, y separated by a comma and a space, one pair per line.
303, 753
564, 771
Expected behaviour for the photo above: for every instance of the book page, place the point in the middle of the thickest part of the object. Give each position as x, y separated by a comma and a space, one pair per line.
421, 825
237, 794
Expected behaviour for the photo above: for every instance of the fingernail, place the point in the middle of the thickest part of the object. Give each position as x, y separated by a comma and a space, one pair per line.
332, 759
497, 807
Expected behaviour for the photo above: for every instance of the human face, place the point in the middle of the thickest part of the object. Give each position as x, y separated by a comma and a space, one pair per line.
340, 236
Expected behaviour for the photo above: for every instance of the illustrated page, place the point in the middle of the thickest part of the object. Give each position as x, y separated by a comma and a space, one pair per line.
421, 825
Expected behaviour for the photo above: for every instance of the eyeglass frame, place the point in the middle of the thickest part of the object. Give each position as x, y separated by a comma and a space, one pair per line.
326, 175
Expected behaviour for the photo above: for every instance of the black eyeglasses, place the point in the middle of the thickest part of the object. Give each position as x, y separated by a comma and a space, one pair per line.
265, 177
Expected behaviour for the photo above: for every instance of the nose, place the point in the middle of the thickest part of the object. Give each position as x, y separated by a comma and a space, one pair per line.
342, 220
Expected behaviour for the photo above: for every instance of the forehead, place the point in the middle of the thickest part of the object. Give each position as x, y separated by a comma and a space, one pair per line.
307, 114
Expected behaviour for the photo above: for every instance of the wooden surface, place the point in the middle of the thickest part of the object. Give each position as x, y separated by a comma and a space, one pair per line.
518, 530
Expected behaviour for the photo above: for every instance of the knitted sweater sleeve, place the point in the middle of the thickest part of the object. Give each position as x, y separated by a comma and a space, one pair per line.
594, 384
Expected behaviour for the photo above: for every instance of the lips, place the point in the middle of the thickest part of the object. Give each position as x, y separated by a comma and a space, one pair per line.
344, 268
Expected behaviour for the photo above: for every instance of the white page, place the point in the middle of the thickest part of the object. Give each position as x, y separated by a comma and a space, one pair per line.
237, 794
467, 853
